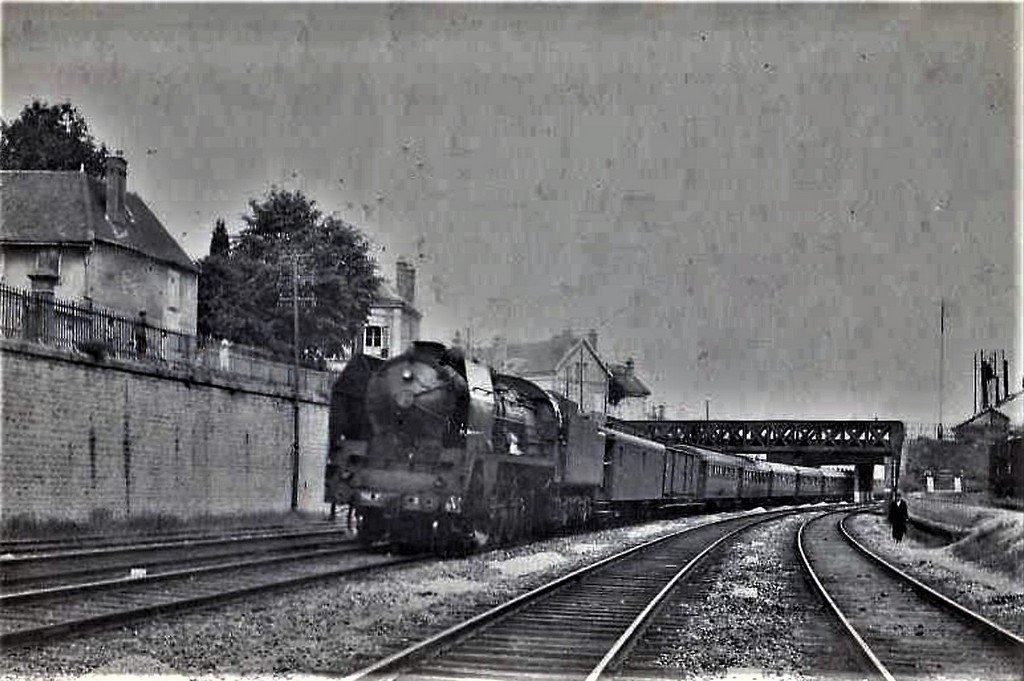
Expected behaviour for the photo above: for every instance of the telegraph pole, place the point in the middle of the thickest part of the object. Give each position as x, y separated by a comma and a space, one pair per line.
942, 356
295, 382
293, 297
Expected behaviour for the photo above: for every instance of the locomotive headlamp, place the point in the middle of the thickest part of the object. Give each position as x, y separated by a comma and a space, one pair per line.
453, 504
407, 374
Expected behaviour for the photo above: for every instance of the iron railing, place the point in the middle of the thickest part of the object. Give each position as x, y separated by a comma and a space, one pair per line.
101, 333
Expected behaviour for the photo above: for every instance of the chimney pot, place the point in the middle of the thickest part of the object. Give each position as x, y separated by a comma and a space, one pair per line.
592, 338
116, 178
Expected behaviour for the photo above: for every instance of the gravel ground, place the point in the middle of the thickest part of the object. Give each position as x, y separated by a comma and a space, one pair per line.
750, 615
330, 628
991, 593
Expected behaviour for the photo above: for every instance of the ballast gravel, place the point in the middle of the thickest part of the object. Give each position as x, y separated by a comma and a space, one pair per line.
747, 615
330, 628
997, 596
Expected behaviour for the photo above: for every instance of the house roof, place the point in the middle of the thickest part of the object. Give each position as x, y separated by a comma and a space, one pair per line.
62, 207
386, 296
545, 357
628, 383
986, 417
1013, 408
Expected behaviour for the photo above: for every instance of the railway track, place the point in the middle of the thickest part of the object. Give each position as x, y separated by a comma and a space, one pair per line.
13, 547
77, 566
751, 607
904, 628
37, 614
573, 627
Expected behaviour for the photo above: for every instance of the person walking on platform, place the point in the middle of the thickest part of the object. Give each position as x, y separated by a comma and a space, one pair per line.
898, 514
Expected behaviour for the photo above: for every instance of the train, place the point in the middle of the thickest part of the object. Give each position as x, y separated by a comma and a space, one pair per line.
432, 450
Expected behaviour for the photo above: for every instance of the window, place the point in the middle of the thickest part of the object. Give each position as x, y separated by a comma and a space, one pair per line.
48, 261
374, 337
173, 290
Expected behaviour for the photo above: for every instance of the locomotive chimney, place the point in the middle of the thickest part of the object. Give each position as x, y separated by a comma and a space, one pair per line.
592, 339
116, 179
405, 281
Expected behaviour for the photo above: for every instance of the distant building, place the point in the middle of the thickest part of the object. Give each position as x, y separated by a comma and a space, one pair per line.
995, 422
74, 236
573, 367
393, 322
627, 395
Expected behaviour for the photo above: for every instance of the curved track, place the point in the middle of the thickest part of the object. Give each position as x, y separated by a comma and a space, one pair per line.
904, 628
714, 625
573, 627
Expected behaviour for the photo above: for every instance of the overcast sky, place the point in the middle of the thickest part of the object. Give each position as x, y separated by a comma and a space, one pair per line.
762, 205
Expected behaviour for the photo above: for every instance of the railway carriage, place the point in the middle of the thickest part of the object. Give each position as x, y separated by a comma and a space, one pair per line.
432, 449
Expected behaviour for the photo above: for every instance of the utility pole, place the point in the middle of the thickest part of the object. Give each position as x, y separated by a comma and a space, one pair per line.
942, 356
295, 382
707, 410
293, 297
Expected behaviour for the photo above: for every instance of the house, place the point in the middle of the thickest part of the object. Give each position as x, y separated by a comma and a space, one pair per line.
70, 235
393, 322
994, 422
627, 394
572, 366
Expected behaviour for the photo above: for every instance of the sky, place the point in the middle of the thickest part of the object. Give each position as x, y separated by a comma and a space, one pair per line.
762, 205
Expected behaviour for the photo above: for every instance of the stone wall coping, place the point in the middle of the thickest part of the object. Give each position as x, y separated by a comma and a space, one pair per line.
189, 375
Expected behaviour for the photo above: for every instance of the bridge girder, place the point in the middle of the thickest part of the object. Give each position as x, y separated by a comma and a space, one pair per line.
807, 443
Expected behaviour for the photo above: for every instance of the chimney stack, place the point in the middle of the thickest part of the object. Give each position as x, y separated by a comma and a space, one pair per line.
405, 281
1006, 376
629, 366
592, 339
116, 179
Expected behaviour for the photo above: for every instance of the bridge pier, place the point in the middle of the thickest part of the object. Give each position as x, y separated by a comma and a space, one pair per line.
863, 481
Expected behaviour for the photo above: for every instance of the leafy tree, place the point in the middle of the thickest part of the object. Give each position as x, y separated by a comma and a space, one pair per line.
244, 295
45, 137
219, 242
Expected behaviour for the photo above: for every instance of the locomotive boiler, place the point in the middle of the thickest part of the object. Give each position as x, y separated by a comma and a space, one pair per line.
433, 449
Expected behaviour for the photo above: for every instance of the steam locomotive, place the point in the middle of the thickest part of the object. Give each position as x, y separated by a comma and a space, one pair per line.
433, 450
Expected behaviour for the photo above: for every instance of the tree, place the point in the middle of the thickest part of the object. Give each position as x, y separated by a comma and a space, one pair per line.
45, 137
219, 243
243, 294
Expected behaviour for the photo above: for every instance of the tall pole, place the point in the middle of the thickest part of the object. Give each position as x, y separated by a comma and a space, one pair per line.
707, 410
942, 356
295, 381
975, 382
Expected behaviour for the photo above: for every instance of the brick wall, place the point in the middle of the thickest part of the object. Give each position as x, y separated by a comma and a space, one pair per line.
132, 439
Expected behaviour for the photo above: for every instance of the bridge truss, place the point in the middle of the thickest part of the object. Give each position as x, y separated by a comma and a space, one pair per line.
807, 443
